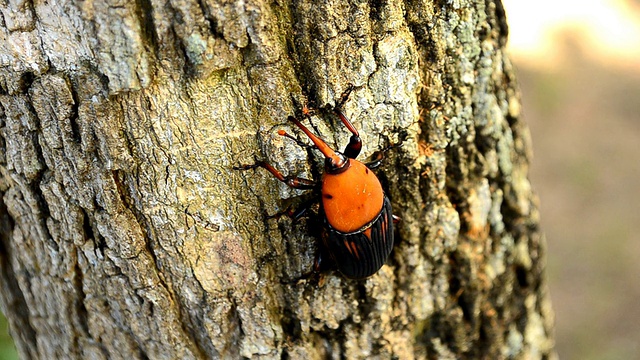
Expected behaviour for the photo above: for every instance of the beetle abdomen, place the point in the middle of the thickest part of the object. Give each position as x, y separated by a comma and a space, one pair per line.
360, 254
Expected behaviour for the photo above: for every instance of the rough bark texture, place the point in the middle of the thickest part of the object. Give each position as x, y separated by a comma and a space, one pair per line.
126, 234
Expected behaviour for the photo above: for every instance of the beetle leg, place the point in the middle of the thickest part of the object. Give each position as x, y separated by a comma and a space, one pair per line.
292, 181
376, 160
321, 265
323, 262
297, 213
378, 156
355, 143
345, 96
396, 219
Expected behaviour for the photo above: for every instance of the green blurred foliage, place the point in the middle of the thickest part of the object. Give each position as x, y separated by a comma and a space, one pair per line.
7, 350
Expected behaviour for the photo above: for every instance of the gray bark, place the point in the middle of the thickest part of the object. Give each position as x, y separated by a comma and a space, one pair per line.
126, 233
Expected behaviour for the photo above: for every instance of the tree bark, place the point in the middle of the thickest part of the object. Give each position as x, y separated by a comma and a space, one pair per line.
127, 235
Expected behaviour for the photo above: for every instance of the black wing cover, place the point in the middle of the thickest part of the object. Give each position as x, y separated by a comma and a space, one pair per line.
361, 254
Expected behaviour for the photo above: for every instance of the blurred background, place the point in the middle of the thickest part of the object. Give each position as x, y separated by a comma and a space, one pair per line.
579, 72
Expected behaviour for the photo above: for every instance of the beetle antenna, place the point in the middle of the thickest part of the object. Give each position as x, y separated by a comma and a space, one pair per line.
336, 159
299, 142
307, 112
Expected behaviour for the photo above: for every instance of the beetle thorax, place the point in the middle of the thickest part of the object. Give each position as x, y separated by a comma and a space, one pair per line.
352, 198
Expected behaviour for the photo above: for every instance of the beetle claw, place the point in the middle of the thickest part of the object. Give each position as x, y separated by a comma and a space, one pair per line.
246, 167
257, 163
345, 96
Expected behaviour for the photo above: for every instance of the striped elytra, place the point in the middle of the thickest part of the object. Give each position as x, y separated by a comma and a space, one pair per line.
362, 253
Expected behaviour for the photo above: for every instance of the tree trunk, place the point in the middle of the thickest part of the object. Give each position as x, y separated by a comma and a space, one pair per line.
127, 235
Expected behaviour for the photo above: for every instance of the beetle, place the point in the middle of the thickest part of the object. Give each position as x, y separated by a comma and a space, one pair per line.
357, 215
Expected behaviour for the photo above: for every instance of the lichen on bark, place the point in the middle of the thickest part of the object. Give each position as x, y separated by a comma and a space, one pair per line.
126, 233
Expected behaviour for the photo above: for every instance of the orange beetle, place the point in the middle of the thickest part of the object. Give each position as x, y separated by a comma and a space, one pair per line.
358, 222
